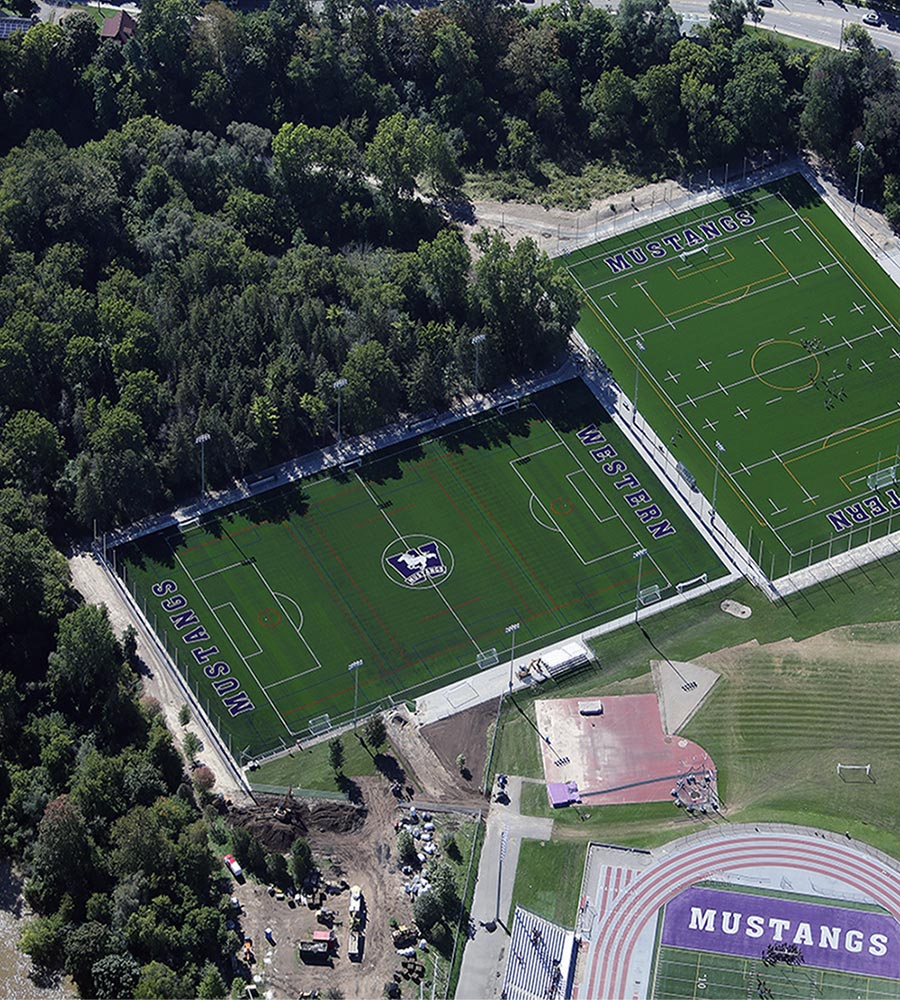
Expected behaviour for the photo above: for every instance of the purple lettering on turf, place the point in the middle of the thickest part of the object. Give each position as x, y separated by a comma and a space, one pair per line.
830, 937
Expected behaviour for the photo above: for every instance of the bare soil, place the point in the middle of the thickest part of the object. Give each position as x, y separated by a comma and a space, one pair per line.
467, 734
350, 842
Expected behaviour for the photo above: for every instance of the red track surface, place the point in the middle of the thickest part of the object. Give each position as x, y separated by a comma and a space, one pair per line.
613, 946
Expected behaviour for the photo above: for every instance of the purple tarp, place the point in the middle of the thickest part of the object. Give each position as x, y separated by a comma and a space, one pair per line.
829, 937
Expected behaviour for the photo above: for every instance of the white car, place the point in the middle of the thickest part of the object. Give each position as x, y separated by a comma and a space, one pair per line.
871, 17
232, 865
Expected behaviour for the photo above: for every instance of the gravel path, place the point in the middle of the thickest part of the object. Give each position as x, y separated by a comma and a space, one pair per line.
159, 682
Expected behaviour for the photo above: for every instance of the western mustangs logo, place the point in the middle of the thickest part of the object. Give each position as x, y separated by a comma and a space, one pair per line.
416, 560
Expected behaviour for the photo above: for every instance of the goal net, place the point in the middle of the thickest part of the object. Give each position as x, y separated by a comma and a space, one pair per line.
884, 477
649, 595
488, 658
320, 724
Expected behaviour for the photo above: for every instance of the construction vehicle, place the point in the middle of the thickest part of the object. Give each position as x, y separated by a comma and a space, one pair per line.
281, 809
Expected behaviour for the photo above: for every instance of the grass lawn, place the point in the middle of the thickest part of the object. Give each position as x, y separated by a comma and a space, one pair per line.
548, 879
310, 768
779, 720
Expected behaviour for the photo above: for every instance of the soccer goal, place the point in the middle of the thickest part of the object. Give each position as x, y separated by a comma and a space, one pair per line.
509, 405
855, 772
320, 724
883, 477
649, 595
354, 463
685, 584
488, 658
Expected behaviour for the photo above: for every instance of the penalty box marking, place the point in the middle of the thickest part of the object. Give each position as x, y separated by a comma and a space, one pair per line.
557, 525
240, 618
243, 658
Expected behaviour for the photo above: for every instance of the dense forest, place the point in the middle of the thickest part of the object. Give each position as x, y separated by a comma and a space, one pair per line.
203, 229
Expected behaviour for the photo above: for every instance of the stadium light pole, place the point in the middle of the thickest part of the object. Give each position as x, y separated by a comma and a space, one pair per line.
511, 632
639, 555
354, 669
637, 371
719, 449
477, 341
860, 149
201, 439
339, 384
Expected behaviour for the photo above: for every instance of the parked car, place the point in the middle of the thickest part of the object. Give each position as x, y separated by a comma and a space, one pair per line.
872, 17
232, 865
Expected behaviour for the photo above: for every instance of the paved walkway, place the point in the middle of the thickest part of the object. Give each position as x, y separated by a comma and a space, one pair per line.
482, 965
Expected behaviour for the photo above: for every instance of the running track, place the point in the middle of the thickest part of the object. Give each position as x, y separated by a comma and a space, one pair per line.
612, 949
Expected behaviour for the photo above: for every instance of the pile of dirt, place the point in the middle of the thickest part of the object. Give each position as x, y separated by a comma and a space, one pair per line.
297, 819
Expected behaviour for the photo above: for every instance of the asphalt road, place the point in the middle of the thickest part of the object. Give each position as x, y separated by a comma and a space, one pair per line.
815, 21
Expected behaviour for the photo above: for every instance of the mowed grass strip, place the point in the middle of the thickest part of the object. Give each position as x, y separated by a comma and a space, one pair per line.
784, 715
776, 724
548, 879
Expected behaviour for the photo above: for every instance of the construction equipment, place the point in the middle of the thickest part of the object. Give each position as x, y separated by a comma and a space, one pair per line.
281, 809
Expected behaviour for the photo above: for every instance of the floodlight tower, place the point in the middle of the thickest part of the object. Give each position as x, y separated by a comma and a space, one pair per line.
639, 555
339, 384
201, 439
719, 449
860, 149
354, 669
511, 632
477, 341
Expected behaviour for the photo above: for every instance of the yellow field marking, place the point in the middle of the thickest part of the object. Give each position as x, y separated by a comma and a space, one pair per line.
853, 472
783, 388
828, 443
700, 270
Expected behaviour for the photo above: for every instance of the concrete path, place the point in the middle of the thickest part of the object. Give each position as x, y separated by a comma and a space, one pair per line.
482, 964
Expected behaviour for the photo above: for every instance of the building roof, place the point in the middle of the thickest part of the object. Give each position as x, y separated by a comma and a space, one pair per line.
120, 26
10, 25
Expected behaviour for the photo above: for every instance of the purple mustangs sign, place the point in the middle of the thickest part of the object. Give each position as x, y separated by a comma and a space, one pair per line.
829, 937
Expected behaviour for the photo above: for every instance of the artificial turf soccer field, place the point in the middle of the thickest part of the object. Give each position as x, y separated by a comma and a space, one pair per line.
414, 562
692, 975
774, 335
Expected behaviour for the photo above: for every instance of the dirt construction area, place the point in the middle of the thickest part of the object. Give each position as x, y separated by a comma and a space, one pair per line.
352, 845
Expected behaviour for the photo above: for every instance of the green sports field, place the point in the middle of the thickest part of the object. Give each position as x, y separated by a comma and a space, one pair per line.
414, 562
691, 975
762, 335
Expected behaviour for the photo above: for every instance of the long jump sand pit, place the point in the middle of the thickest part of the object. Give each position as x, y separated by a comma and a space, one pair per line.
620, 756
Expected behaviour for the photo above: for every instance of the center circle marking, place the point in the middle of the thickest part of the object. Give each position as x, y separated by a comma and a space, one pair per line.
429, 564
809, 380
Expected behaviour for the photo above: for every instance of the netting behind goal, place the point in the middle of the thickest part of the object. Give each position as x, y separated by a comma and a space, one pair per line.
488, 658
884, 477
320, 724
